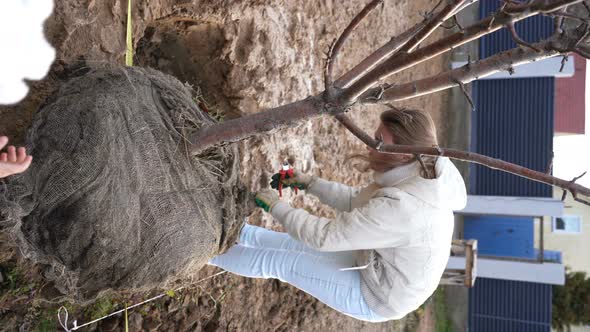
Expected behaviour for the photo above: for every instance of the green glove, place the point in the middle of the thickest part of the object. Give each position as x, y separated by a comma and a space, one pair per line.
299, 181
266, 199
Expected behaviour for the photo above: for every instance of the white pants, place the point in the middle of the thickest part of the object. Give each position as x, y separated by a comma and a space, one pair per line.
261, 253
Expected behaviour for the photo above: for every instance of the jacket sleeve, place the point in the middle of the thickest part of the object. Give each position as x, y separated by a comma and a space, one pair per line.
334, 194
382, 223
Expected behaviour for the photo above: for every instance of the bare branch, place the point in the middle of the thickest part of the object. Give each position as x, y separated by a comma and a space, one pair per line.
545, 8
517, 39
429, 14
468, 73
431, 25
579, 177
563, 61
558, 23
467, 96
500, 10
583, 201
550, 166
387, 50
423, 165
563, 14
464, 156
337, 46
457, 23
483, 27
450, 27
575, 192
379, 55
584, 36
379, 92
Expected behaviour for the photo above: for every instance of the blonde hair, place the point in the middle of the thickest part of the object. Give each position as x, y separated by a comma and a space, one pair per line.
408, 127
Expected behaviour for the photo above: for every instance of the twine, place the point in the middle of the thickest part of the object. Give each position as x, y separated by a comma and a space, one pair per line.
64, 322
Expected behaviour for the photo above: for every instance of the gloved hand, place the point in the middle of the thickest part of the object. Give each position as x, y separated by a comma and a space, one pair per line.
266, 199
299, 180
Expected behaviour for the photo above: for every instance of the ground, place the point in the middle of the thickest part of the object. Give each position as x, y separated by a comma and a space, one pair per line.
243, 56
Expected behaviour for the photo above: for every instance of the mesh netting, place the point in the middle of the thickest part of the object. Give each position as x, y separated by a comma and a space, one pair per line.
113, 199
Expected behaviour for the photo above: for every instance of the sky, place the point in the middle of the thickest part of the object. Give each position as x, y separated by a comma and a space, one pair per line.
572, 153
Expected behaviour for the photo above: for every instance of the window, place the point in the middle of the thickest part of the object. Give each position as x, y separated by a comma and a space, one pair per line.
567, 224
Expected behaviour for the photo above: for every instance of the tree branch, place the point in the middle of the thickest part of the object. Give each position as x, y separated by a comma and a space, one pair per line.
500, 10
483, 27
237, 129
541, 7
582, 53
388, 49
563, 61
574, 192
466, 74
457, 23
584, 36
570, 16
337, 46
517, 39
558, 23
583, 201
379, 55
471, 157
550, 166
466, 94
431, 25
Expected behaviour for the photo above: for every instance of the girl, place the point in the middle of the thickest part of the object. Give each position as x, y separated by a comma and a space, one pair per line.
386, 250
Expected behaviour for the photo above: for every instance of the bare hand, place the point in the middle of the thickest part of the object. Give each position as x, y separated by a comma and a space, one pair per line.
14, 160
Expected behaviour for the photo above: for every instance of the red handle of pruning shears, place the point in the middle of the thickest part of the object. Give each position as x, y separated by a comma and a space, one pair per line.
285, 173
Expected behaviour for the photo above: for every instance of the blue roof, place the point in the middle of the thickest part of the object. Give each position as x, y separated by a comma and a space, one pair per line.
506, 305
513, 121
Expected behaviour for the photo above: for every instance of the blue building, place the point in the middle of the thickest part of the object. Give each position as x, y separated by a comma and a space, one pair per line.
513, 121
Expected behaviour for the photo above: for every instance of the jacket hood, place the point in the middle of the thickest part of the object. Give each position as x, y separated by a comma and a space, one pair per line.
447, 190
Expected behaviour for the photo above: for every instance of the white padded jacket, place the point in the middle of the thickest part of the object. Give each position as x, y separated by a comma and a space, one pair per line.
401, 226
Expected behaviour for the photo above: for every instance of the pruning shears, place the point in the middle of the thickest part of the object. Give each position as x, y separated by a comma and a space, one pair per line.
285, 172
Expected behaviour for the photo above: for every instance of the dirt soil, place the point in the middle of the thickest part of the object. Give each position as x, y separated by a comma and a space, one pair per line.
243, 56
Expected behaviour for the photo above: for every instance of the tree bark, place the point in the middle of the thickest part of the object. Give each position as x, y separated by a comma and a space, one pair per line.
237, 129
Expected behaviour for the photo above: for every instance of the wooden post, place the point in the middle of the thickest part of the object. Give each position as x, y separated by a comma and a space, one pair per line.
465, 277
